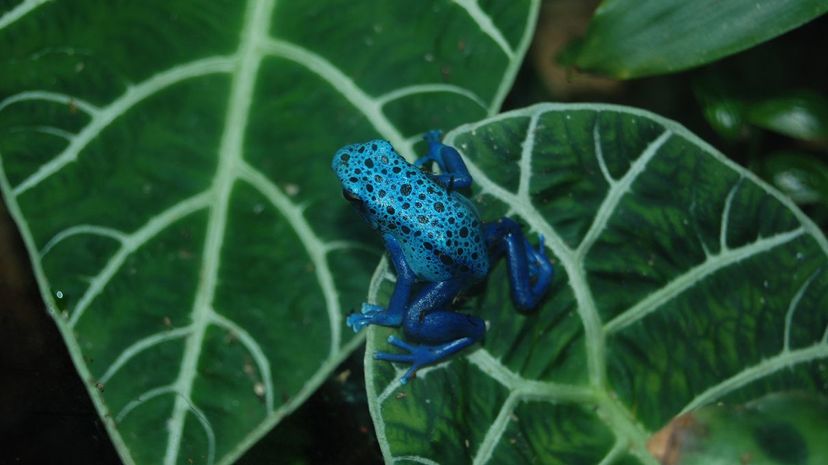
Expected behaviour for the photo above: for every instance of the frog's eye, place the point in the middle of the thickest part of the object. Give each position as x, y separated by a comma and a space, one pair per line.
350, 197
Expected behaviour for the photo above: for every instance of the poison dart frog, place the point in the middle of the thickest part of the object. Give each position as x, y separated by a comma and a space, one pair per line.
438, 246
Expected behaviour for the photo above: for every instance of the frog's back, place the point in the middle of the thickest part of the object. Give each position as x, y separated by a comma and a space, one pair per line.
442, 238
439, 231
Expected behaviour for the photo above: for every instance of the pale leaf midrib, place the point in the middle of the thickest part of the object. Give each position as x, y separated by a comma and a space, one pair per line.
254, 32
486, 25
20, 10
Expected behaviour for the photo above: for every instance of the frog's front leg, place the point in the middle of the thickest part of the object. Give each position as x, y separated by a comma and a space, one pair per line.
393, 315
441, 331
453, 172
530, 272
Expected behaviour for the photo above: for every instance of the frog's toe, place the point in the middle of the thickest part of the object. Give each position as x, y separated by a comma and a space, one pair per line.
400, 344
401, 358
434, 135
540, 264
370, 309
422, 161
357, 321
391, 357
541, 251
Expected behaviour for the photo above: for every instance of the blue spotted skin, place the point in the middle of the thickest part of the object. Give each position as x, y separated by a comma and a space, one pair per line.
437, 245
439, 231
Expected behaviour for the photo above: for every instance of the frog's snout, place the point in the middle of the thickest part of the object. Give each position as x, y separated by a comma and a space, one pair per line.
341, 159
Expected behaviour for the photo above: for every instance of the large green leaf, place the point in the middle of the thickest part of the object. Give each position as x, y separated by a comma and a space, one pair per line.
631, 38
682, 280
167, 163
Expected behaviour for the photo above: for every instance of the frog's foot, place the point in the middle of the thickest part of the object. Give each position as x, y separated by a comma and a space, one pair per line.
530, 271
435, 136
433, 139
365, 317
422, 162
357, 321
371, 314
420, 356
370, 309
540, 268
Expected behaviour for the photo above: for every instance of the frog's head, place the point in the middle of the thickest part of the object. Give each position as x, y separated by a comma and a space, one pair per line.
365, 171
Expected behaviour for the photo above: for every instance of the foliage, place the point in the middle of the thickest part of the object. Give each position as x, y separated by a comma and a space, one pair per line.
166, 163
629, 38
172, 188
682, 280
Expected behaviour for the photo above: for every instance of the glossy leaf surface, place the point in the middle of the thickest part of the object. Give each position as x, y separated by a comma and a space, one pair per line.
802, 115
630, 38
682, 280
167, 163
802, 176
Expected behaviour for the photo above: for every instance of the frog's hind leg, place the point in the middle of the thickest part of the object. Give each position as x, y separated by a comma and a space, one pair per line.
442, 332
525, 264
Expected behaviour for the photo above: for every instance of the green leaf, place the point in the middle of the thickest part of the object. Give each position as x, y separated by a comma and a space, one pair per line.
803, 177
630, 38
722, 106
801, 115
681, 280
167, 163
729, 108
778, 429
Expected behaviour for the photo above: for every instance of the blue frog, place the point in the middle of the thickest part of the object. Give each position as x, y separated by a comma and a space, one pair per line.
437, 244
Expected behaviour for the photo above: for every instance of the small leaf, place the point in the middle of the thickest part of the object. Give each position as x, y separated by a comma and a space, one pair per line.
630, 38
723, 111
801, 115
681, 280
778, 429
803, 177
168, 165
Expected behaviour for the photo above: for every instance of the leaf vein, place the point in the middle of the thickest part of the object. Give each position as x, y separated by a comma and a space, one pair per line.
141, 345
255, 350
792, 308
496, 430
246, 61
367, 105
683, 282
485, 23
785, 359
525, 167
92, 229
402, 92
48, 96
101, 118
314, 247
131, 243
616, 192
726, 214
23, 8
599, 154
594, 338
